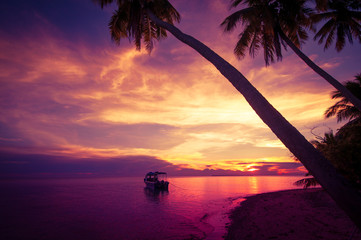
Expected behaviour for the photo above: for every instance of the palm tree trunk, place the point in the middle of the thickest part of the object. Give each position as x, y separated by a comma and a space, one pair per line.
337, 186
336, 84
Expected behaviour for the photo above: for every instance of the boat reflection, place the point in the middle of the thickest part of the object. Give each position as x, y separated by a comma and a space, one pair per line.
155, 195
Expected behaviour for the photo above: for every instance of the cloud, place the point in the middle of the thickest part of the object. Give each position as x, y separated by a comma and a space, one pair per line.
35, 165
40, 166
243, 151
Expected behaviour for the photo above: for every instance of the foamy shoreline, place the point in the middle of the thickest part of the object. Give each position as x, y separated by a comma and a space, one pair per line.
291, 214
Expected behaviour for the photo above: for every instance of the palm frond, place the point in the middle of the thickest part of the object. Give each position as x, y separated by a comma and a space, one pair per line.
277, 43
148, 33
255, 43
232, 20
343, 109
268, 47
131, 21
355, 29
349, 112
118, 26
307, 182
358, 78
302, 35
331, 111
245, 38
262, 22
165, 11
336, 94
327, 31
344, 17
348, 33
340, 41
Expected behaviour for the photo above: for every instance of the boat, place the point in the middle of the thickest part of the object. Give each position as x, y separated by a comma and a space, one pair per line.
156, 180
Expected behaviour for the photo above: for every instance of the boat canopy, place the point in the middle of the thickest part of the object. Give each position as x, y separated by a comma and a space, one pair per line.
155, 176
155, 173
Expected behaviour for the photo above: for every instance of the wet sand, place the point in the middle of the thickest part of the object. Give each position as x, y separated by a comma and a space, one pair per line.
293, 214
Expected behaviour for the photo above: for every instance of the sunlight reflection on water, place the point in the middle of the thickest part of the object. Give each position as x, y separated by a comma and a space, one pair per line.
121, 208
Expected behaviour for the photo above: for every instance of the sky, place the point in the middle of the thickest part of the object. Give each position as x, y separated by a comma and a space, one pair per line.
73, 103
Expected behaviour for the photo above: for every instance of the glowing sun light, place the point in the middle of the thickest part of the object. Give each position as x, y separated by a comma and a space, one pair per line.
252, 169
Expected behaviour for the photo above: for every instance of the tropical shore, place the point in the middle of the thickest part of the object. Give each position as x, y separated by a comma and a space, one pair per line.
292, 214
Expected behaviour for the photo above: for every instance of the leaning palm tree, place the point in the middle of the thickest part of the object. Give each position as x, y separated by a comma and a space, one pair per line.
343, 109
147, 20
342, 19
271, 24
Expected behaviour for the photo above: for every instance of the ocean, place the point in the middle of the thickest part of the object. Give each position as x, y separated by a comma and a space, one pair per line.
122, 208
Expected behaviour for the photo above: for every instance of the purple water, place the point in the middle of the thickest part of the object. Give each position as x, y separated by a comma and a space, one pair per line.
121, 208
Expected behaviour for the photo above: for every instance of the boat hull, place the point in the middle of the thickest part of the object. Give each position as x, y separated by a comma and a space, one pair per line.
157, 185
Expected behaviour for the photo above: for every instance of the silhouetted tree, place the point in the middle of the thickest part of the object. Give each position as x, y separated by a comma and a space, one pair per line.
343, 150
271, 24
343, 109
341, 20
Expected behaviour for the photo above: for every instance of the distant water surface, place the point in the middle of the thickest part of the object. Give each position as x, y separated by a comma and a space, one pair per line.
121, 208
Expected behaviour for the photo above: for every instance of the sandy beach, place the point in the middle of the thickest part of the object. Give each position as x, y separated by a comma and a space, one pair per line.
293, 214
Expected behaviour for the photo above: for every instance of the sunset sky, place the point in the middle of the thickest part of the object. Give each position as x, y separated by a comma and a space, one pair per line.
74, 103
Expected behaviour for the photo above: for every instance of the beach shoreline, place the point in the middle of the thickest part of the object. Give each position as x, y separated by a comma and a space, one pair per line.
290, 214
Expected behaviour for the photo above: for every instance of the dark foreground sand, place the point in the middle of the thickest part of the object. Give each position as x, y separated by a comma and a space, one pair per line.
294, 214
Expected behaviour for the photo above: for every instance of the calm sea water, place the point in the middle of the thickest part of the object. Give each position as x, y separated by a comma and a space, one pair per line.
121, 208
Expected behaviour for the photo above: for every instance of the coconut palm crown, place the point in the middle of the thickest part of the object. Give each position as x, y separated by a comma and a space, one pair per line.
272, 23
131, 20
342, 21
343, 109
263, 23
